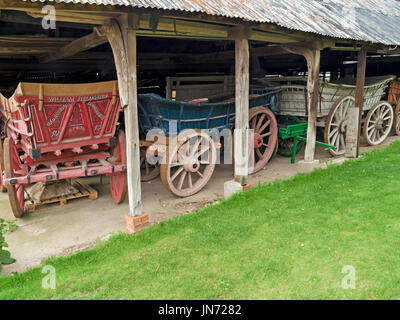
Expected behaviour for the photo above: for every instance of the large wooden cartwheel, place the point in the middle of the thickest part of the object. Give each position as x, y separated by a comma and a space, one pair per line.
14, 168
190, 164
2, 188
378, 123
336, 123
263, 122
118, 181
396, 123
148, 171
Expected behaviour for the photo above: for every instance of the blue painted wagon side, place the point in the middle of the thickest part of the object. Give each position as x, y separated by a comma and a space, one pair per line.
157, 112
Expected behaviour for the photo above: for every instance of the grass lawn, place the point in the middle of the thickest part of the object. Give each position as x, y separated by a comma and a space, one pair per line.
286, 240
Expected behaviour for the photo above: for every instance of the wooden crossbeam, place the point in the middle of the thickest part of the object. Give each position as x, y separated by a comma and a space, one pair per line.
30, 45
264, 51
87, 42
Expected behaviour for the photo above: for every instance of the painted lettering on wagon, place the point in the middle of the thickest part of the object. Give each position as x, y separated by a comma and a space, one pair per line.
90, 98
57, 114
60, 99
78, 99
98, 113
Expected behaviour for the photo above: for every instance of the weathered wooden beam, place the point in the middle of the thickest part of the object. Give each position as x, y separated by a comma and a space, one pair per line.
87, 42
359, 103
354, 112
122, 37
131, 118
265, 51
313, 57
313, 64
30, 45
33, 40
242, 86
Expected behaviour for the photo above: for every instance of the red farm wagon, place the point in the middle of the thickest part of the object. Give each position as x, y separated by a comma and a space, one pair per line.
61, 131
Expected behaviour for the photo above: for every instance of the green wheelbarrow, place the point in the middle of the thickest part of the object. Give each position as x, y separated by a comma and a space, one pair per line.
291, 137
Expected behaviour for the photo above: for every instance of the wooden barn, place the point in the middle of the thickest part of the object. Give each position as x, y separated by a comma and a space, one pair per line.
212, 46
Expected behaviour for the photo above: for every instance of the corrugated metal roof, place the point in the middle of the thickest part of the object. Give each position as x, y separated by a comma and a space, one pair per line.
376, 21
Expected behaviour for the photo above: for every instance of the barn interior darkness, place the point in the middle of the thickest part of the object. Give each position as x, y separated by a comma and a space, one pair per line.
24, 42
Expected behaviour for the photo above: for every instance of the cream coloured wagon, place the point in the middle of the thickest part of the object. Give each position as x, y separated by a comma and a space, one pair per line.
335, 99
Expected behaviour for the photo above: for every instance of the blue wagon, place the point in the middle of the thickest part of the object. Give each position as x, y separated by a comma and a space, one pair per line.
189, 164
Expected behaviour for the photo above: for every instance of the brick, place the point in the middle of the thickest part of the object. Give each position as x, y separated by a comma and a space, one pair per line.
135, 224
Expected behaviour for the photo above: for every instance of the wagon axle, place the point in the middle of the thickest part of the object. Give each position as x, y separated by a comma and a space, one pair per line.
191, 164
258, 140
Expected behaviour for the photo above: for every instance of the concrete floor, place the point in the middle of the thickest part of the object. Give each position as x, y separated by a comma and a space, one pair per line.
57, 231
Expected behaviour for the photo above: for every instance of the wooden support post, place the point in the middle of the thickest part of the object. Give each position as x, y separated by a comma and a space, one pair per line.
122, 37
312, 54
131, 121
242, 85
313, 64
354, 112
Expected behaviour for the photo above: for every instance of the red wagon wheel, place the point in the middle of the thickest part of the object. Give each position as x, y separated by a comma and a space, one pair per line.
2, 188
118, 182
263, 122
148, 171
190, 164
14, 168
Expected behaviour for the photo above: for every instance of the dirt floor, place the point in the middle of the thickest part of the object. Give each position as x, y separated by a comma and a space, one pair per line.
53, 230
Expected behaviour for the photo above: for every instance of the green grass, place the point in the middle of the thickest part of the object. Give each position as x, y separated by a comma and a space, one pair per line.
250, 247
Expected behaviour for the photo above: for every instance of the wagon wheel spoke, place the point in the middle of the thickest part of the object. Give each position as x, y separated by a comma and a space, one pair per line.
177, 173
253, 123
342, 141
195, 147
259, 154
265, 126
260, 121
333, 132
376, 136
200, 153
371, 131
266, 134
200, 174
334, 138
384, 113
337, 142
190, 180
182, 180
